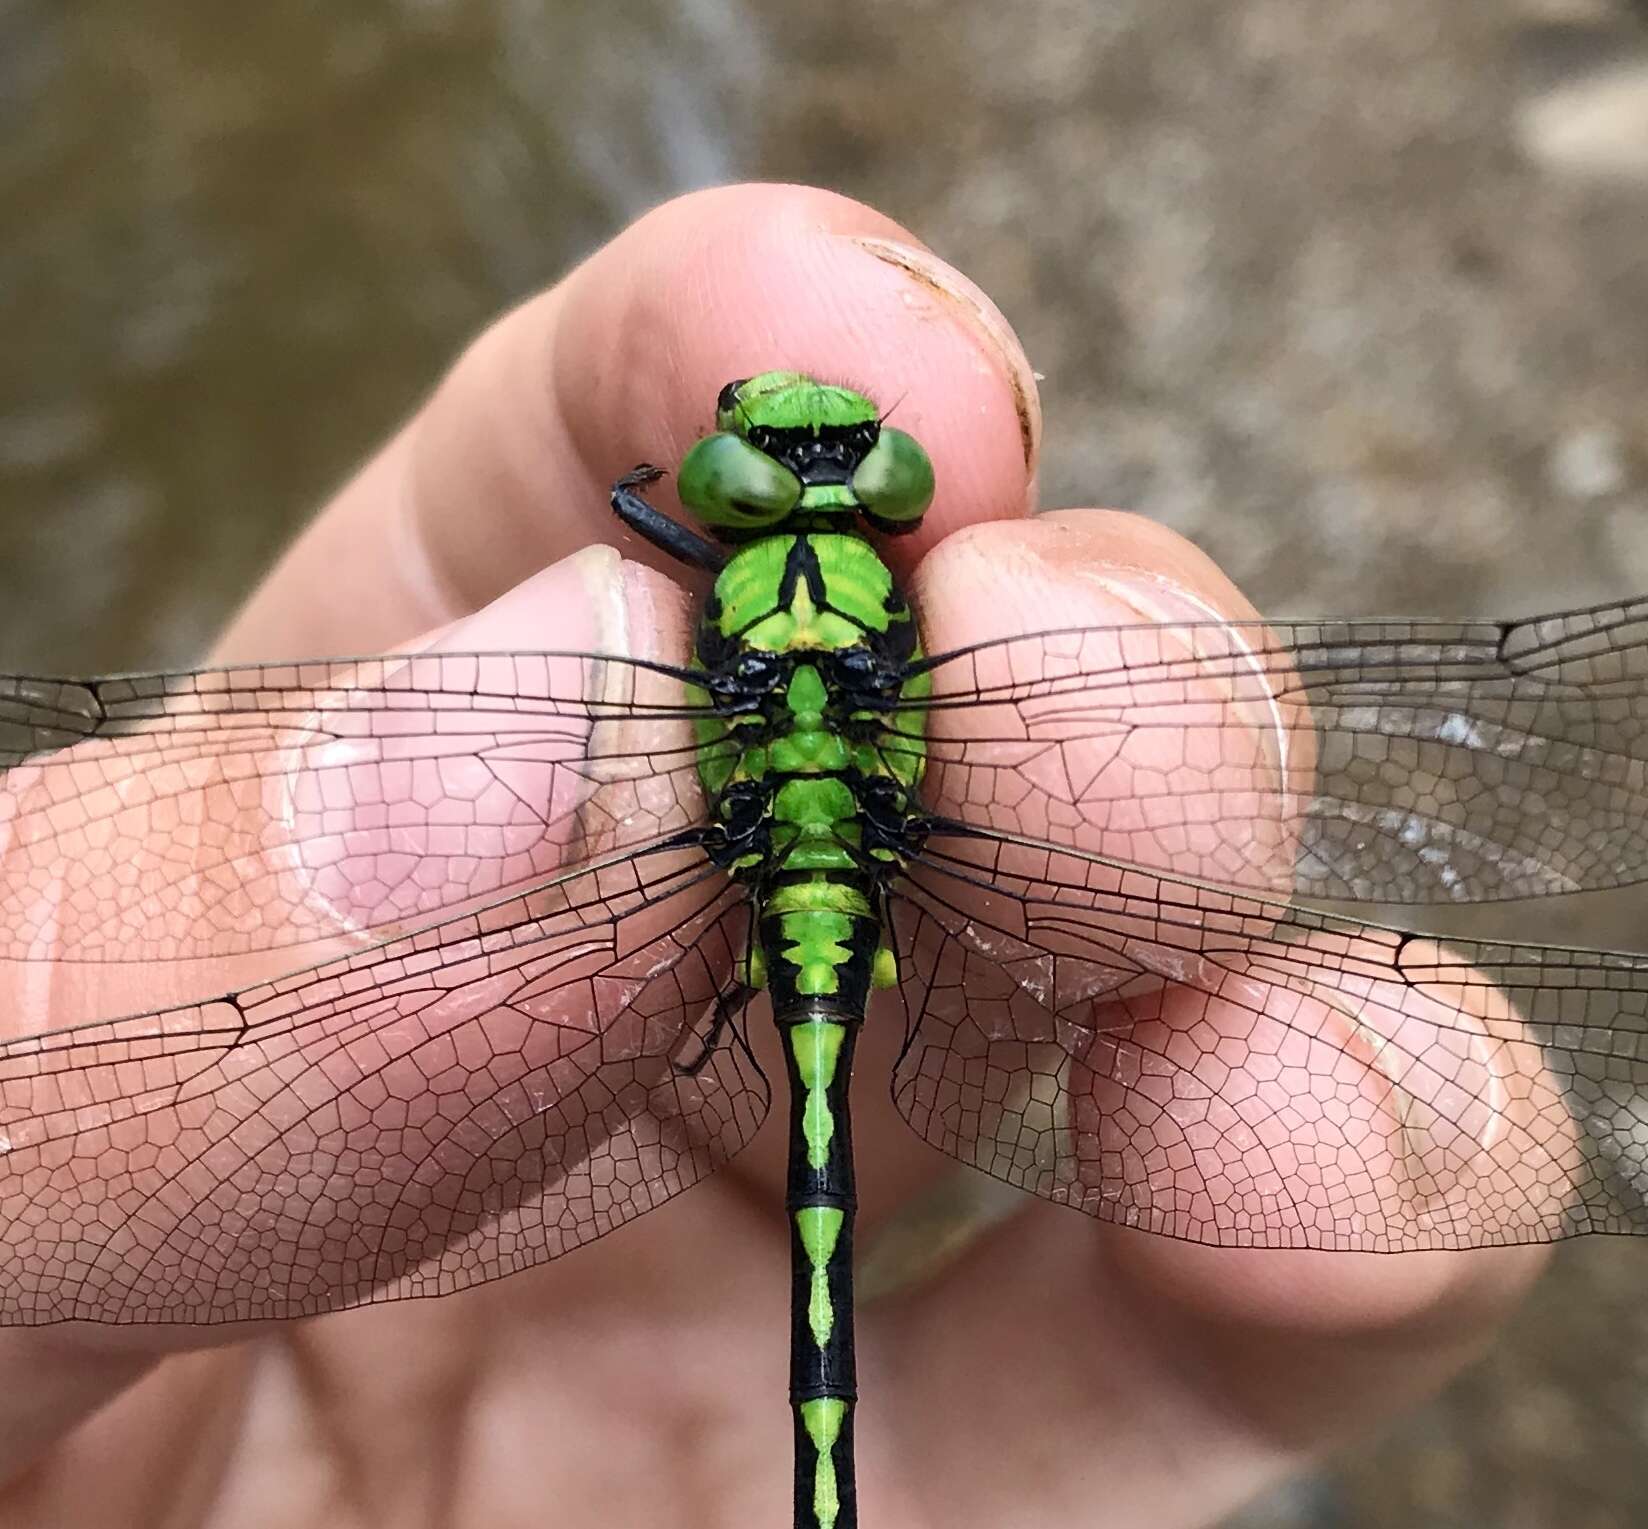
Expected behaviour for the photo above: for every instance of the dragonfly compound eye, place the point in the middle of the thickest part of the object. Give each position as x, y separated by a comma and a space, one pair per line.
894, 482
729, 483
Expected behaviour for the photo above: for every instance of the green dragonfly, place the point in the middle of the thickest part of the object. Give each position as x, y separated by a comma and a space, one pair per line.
512, 914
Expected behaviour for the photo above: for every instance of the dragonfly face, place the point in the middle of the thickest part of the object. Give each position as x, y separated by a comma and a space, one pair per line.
522, 900
790, 451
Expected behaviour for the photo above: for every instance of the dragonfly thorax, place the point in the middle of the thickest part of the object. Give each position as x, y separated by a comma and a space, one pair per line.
812, 760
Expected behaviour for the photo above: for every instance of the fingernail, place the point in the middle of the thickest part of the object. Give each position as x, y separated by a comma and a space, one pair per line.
514, 755
1159, 600
578, 603
968, 302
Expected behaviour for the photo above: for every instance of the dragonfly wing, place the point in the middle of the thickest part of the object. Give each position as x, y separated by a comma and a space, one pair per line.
1240, 1073
199, 815
1391, 762
412, 1119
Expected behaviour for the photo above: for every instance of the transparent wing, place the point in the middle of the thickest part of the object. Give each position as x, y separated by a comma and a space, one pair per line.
1392, 762
434, 1112
179, 816
1231, 1071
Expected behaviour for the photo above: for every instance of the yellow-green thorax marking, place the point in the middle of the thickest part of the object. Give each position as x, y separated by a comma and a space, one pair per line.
810, 763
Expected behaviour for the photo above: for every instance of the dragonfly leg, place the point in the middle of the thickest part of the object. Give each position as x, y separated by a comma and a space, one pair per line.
682, 543
731, 1002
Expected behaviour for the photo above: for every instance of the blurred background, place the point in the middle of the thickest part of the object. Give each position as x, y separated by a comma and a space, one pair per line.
1354, 295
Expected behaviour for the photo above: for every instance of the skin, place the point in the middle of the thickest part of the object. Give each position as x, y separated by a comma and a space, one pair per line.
1118, 1378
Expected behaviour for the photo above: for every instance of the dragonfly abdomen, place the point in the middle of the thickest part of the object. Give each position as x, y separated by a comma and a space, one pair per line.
821, 938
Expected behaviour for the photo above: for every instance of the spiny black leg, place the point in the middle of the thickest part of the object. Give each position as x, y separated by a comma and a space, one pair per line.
731, 1002
682, 543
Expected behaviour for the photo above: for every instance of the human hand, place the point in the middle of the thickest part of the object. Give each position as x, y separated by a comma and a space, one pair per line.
1060, 1370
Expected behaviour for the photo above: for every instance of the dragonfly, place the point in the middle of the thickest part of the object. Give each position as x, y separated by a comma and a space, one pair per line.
510, 917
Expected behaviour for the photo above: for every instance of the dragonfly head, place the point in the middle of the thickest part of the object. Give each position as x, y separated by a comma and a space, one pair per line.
790, 451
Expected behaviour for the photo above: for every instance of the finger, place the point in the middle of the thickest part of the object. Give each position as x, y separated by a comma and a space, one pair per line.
1347, 1110
266, 809
1350, 1105
1081, 569
1284, 1351
998, 766
67, 1241
508, 465
1046, 1334
1167, 733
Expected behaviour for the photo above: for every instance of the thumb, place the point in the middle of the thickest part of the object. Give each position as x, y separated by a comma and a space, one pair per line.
203, 820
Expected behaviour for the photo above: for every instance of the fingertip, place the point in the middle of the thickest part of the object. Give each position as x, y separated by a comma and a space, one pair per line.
594, 601
726, 283
1308, 1346
1341, 1294
509, 464
1068, 568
